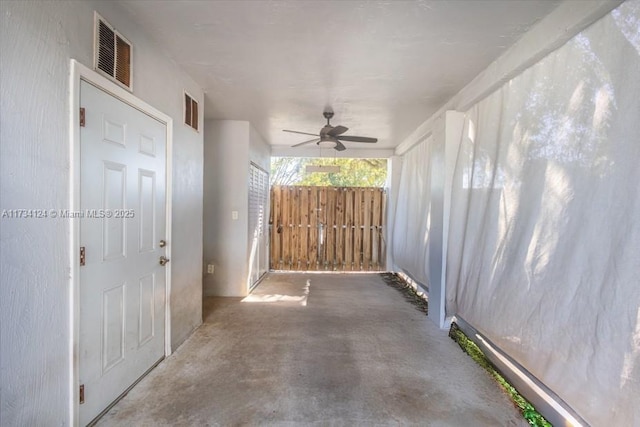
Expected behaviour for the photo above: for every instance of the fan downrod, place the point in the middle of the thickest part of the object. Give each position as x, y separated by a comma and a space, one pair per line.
328, 115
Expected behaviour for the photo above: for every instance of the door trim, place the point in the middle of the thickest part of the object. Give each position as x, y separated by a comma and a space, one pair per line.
79, 72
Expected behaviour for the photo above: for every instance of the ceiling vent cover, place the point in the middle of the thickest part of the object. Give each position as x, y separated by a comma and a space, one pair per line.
112, 53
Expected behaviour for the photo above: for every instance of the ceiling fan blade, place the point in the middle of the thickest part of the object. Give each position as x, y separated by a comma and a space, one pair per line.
357, 138
303, 133
340, 146
306, 142
337, 130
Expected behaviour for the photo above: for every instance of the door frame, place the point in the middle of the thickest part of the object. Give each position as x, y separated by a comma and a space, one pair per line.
78, 73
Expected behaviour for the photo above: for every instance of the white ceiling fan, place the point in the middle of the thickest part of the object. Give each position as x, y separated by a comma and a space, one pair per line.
331, 136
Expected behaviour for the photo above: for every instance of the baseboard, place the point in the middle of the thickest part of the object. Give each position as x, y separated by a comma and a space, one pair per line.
418, 286
549, 404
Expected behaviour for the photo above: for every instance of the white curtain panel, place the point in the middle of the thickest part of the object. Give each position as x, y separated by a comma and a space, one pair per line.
544, 239
411, 224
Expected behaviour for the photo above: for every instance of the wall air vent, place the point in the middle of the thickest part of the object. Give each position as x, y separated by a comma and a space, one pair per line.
112, 53
190, 111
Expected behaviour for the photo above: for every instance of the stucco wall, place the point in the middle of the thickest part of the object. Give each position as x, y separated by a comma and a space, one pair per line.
225, 191
259, 150
37, 40
229, 147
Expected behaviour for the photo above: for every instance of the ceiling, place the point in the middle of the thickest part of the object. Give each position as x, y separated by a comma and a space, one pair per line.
382, 66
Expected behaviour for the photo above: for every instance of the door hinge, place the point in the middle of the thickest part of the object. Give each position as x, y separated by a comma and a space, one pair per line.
81, 394
82, 255
82, 117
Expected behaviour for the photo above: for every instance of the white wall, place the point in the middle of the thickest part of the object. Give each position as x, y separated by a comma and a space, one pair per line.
226, 159
37, 40
447, 133
229, 148
259, 150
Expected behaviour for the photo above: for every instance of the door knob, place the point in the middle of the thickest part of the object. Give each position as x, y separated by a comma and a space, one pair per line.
164, 260
162, 243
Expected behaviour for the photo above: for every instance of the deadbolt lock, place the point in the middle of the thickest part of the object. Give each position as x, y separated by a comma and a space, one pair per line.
162, 243
164, 260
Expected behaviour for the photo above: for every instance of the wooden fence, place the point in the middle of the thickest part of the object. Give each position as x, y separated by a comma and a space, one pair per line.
327, 228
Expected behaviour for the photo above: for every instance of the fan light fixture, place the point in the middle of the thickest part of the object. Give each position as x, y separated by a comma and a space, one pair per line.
327, 144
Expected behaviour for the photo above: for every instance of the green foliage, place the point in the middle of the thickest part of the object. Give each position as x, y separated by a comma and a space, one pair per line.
532, 416
353, 172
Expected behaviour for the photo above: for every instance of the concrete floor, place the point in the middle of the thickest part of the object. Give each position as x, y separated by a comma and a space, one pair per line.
311, 349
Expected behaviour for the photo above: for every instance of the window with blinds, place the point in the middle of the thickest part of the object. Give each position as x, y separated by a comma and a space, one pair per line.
258, 213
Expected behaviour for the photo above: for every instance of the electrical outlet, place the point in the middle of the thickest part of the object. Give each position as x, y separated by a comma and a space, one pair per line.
210, 268
234, 215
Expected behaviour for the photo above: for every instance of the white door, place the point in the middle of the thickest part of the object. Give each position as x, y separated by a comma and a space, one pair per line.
122, 284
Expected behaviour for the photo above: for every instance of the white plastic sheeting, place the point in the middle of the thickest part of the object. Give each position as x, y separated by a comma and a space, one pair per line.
543, 250
544, 237
412, 221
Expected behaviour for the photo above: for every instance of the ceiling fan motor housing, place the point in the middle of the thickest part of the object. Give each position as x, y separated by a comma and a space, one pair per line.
325, 130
